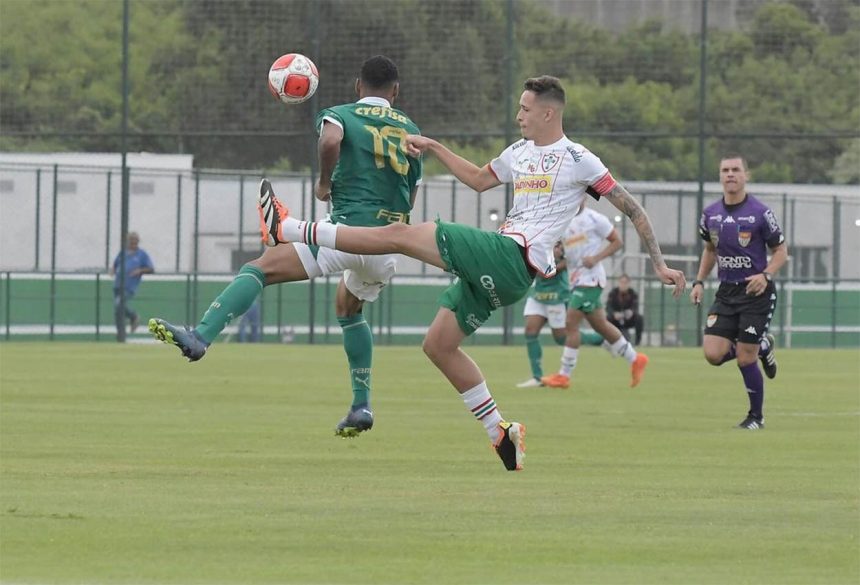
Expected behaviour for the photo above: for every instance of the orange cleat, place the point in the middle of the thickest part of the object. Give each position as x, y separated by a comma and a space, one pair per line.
556, 381
272, 213
511, 445
637, 369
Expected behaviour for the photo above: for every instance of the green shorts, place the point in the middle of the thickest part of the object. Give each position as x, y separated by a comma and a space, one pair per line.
491, 272
585, 298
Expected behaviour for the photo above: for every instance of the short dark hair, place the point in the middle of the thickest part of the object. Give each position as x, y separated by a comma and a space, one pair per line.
735, 155
379, 72
547, 87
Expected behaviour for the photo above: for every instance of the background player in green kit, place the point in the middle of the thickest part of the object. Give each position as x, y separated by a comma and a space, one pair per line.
547, 303
370, 181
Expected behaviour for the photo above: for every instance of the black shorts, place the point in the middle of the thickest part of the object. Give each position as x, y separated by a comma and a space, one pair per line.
738, 316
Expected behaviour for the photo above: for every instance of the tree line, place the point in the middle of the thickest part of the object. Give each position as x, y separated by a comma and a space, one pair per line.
782, 89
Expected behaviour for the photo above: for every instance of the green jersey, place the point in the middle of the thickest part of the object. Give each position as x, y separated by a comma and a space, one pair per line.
553, 290
373, 181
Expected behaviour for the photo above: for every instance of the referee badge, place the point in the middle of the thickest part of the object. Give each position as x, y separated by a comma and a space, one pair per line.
712, 319
744, 238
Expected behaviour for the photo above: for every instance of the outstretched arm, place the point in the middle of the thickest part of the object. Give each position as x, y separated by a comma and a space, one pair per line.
624, 201
478, 178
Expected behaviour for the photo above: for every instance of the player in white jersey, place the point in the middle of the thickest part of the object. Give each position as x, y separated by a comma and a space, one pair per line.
585, 248
551, 176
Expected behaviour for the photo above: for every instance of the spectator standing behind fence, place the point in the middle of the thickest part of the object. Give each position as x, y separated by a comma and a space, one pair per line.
137, 263
251, 325
622, 307
737, 230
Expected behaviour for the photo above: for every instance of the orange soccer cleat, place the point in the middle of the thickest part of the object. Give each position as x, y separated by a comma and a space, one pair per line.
637, 369
556, 381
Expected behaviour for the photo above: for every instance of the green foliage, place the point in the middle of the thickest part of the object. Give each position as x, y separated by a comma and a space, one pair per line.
197, 74
846, 169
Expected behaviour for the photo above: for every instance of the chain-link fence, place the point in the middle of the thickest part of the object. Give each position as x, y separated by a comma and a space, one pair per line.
659, 101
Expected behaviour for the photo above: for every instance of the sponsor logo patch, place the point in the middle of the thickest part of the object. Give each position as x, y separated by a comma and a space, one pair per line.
533, 184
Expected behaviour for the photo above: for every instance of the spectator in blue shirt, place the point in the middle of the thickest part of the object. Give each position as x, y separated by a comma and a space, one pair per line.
137, 263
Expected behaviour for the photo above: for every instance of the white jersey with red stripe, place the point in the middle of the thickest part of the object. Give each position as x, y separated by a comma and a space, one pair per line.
550, 183
586, 236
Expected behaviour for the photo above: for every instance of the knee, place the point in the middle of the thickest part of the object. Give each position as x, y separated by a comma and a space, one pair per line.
431, 349
714, 358
266, 266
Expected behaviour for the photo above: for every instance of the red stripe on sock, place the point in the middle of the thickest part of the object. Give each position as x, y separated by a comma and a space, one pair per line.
483, 404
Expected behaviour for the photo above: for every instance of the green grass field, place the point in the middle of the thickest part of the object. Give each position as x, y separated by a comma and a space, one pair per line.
124, 464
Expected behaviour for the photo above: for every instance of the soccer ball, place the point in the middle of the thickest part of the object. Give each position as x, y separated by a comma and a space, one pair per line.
293, 78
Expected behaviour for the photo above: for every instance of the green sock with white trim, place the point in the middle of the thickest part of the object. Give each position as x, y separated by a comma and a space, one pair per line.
233, 302
535, 353
358, 345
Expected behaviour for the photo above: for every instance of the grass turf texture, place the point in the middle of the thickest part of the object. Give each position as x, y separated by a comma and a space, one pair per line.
124, 464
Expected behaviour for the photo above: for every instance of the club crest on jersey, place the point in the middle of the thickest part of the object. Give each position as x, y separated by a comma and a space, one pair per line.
744, 238
715, 237
549, 161
712, 319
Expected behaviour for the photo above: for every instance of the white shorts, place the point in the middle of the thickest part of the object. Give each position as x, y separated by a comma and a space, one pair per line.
364, 275
555, 314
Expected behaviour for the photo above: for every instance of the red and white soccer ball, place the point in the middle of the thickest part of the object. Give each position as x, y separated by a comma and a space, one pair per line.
293, 78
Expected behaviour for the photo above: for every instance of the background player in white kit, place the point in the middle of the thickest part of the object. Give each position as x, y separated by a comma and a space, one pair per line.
585, 247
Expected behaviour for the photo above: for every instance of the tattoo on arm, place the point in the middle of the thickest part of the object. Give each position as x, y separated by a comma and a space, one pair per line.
624, 201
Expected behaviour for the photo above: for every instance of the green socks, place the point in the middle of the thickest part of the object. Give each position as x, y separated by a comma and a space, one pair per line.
233, 302
535, 353
358, 345
590, 337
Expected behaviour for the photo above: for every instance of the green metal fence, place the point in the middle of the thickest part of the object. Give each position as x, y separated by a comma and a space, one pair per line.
37, 306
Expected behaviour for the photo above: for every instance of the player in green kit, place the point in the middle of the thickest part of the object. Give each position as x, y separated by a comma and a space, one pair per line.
370, 181
547, 303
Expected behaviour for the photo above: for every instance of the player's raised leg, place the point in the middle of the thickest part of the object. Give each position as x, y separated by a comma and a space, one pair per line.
276, 265
277, 226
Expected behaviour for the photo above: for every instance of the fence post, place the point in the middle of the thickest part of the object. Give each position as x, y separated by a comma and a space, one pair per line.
424, 218
107, 219
53, 305
702, 137
98, 304
8, 304
178, 217
38, 213
196, 261
241, 213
